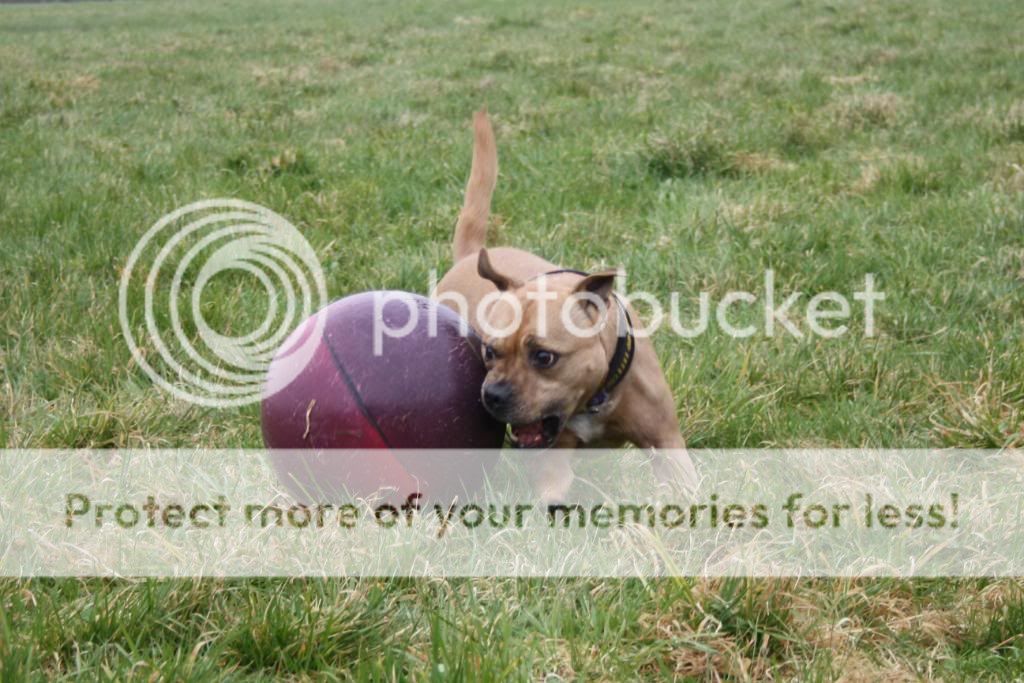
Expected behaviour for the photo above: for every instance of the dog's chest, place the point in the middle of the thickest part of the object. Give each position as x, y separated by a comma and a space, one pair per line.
588, 427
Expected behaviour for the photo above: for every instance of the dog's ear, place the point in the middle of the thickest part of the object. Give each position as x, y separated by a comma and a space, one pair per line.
598, 283
487, 272
595, 284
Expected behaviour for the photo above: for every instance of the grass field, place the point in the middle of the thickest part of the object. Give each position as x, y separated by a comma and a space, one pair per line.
696, 144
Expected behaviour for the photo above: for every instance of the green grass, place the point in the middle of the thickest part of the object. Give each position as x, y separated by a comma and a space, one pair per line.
694, 144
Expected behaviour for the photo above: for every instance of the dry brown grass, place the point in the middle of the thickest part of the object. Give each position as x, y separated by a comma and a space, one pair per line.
867, 110
275, 76
756, 215
62, 91
1012, 123
870, 174
856, 79
704, 652
985, 413
860, 668
1011, 178
1007, 175
754, 162
906, 170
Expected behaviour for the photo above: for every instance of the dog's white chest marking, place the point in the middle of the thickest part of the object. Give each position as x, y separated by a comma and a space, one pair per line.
587, 426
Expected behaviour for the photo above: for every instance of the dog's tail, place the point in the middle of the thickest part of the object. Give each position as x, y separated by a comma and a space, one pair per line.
471, 230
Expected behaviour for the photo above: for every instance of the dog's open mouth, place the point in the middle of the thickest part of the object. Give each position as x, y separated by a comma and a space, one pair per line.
539, 434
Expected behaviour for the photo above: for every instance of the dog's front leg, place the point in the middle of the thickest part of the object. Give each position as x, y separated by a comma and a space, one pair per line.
666, 448
551, 472
552, 477
652, 425
673, 467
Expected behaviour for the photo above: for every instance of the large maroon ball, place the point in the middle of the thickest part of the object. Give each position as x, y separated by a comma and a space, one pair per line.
383, 372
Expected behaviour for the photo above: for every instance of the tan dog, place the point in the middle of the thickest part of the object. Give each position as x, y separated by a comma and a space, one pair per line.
555, 386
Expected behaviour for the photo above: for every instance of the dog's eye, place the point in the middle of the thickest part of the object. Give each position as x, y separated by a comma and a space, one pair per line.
489, 353
542, 358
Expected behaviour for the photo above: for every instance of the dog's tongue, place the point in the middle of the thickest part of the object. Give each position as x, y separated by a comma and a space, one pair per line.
530, 435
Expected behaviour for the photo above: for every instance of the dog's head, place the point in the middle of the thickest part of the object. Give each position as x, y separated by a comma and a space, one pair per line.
546, 349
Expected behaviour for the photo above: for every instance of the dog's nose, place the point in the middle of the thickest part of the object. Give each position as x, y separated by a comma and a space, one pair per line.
497, 396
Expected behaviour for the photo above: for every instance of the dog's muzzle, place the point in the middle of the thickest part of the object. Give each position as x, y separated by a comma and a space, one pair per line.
539, 434
500, 401
498, 398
